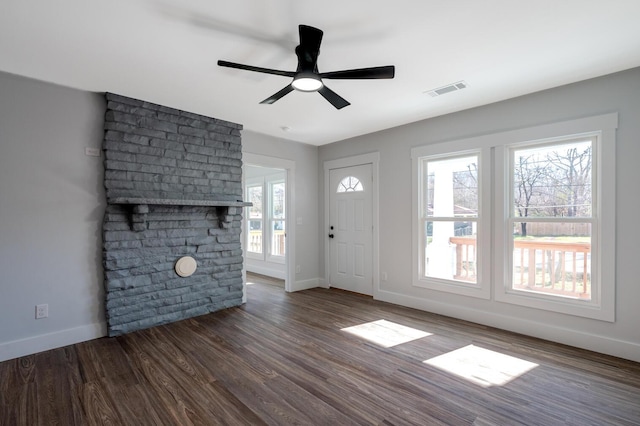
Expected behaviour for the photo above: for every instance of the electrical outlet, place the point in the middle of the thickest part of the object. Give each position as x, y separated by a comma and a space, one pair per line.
383, 276
298, 269
42, 311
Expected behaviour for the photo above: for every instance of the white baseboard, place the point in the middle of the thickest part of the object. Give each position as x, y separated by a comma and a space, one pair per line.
579, 339
597, 343
323, 283
305, 284
264, 270
58, 339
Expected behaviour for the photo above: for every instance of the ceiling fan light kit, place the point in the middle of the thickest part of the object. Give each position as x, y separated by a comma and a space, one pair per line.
307, 78
307, 82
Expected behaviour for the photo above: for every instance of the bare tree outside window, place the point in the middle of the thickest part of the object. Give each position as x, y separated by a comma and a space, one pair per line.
529, 174
552, 182
552, 209
570, 177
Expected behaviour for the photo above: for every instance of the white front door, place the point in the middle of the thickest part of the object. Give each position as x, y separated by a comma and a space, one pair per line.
350, 230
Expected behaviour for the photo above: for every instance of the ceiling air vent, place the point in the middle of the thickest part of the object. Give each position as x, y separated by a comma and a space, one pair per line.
448, 88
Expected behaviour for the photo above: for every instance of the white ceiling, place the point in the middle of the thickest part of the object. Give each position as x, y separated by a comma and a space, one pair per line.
165, 51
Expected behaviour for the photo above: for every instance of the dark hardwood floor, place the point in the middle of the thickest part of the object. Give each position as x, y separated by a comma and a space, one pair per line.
284, 359
264, 279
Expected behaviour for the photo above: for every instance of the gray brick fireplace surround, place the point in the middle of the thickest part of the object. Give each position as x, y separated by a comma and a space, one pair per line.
174, 188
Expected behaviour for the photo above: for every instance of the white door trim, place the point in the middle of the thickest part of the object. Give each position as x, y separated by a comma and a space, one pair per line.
290, 241
372, 158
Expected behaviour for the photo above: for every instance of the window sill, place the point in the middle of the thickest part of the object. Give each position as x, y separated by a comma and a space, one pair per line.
568, 306
455, 287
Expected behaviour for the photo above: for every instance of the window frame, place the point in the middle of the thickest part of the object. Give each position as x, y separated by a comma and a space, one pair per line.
271, 219
496, 201
349, 188
591, 219
255, 183
602, 303
268, 220
481, 288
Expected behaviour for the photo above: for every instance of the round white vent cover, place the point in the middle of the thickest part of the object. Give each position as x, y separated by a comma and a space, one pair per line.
186, 266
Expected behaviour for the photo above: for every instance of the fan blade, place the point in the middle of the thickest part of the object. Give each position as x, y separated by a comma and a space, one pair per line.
256, 69
336, 100
362, 73
271, 99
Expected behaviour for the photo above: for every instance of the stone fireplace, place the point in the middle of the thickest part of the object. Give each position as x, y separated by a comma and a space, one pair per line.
173, 181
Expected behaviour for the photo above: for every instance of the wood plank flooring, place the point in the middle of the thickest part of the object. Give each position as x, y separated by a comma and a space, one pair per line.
283, 359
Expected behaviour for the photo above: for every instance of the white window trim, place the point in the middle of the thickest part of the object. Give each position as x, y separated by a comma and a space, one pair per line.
267, 220
482, 288
602, 303
498, 242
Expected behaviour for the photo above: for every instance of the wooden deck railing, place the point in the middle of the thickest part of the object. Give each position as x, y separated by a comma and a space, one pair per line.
255, 242
277, 247
555, 267
465, 258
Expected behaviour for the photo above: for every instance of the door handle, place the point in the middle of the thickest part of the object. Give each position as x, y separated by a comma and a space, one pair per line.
330, 235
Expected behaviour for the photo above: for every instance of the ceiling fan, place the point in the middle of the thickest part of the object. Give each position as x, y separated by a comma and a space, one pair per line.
307, 78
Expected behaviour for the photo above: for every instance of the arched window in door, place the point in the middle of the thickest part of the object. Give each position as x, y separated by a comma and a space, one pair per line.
350, 184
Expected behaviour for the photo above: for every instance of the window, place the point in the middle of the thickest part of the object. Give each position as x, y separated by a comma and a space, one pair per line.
546, 241
350, 184
552, 218
277, 218
254, 228
449, 222
266, 219
450, 240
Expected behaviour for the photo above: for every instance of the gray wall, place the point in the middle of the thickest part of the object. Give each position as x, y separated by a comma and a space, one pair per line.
305, 197
614, 93
51, 209
52, 204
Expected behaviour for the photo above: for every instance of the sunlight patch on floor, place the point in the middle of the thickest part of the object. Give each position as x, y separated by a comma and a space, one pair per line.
386, 333
481, 366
